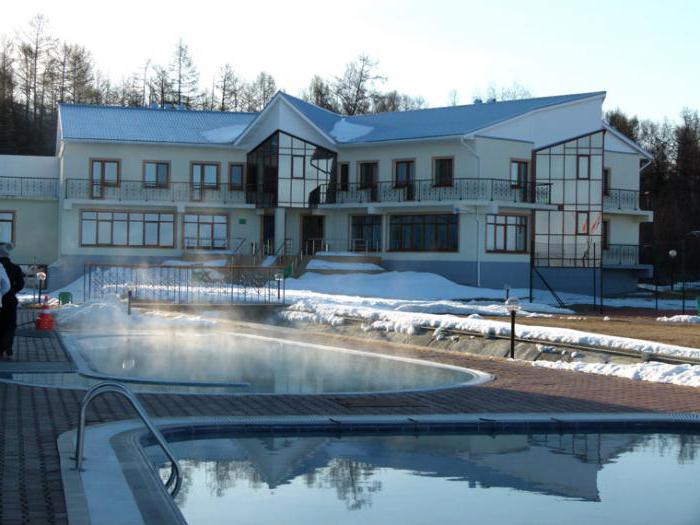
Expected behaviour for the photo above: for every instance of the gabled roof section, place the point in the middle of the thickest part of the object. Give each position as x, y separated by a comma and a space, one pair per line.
629, 142
165, 126
425, 123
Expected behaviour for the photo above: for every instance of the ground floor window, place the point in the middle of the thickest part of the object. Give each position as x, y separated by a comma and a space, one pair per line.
366, 233
424, 233
206, 231
122, 228
506, 233
7, 226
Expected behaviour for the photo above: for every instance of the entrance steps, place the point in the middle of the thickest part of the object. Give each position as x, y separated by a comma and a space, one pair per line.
340, 263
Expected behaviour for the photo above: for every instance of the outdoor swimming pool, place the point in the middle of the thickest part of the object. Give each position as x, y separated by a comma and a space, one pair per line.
248, 364
439, 478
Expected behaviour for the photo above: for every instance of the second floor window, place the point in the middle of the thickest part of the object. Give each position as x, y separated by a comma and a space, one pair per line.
105, 172
235, 174
403, 173
205, 175
156, 174
606, 181
368, 175
443, 172
518, 173
344, 176
583, 167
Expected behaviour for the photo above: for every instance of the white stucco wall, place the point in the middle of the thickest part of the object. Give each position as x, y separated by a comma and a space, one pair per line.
36, 231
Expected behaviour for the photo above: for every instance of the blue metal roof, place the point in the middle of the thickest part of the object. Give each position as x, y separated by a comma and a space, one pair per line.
424, 123
117, 124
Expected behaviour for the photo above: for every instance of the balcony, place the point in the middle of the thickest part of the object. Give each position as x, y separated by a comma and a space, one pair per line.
135, 191
28, 188
621, 255
626, 200
463, 189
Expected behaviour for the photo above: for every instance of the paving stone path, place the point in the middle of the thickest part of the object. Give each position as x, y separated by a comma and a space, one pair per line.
33, 417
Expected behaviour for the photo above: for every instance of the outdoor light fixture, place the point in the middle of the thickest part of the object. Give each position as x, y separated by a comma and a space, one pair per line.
42, 278
513, 307
672, 254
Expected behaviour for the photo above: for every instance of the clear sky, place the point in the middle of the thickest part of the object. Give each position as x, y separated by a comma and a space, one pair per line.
645, 54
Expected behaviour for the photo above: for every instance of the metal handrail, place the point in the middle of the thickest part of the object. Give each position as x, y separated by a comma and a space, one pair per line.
117, 388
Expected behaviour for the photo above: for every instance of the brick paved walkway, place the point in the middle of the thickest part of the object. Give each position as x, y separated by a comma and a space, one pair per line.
32, 417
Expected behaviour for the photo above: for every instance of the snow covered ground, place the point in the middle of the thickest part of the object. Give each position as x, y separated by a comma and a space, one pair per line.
693, 319
687, 375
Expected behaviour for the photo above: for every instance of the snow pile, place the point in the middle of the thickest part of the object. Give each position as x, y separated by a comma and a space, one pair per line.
686, 375
223, 135
344, 131
111, 312
319, 264
270, 260
693, 319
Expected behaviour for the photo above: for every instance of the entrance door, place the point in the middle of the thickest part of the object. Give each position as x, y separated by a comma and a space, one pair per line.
311, 233
268, 233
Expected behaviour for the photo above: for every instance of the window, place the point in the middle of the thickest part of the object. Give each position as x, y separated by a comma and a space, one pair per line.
206, 231
344, 176
403, 173
368, 175
606, 181
235, 177
366, 233
443, 172
518, 173
581, 223
105, 172
424, 233
506, 233
156, 174
583, 167
7, 226
298, 167
120, 228
205, 175
606, 235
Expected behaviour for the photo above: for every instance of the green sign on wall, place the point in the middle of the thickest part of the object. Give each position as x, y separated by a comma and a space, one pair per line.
241, 221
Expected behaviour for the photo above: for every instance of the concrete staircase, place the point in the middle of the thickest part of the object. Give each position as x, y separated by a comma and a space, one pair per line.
334, 264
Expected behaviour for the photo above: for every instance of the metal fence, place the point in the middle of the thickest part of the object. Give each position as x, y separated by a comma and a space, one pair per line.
191, 285
28, 188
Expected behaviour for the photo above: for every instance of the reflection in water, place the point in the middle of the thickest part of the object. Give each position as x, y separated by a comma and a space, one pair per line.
553, 471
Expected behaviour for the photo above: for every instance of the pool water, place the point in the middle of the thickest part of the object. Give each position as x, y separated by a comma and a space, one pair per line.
247, 364
440, 479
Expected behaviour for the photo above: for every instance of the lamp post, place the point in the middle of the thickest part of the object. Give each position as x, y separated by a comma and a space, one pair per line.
42, 278
507, 289
513, 306
672, 254
279, 277
129, 294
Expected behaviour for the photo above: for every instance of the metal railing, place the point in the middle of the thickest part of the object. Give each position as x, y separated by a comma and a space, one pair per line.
28, 188
621, 255
132, 190
620, 199
174, 481
194, 284
500, 190
359, 245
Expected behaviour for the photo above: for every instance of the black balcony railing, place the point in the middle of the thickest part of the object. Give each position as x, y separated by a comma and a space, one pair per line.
627, 200
463, 189
131, 190
28, 188
621, 255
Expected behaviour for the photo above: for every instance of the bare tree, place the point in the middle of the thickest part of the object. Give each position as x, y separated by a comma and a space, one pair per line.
183, 75
321, 94
356, 87
453, 98
259, 92
515, 91
230, 89
160, 87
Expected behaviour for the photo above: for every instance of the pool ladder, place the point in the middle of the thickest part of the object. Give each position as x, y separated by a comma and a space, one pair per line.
174, 481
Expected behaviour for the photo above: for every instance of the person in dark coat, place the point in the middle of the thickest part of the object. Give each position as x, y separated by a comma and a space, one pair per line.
8, 312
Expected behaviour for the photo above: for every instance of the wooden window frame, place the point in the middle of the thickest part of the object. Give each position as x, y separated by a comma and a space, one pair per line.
360, 185
204, 185
588, 222
128, 228
231, 186
578, 166
436, 183
13, 228
394, 169
343, 185
156, 185
518, 184
424, 214
504, 227
199, 213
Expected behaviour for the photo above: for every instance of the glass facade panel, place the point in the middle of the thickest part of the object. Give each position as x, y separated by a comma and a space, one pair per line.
421, 233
